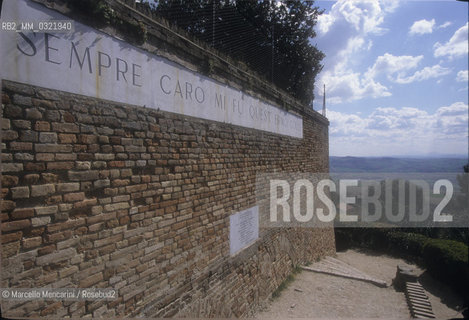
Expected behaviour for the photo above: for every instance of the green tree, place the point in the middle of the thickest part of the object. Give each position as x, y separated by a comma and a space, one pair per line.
272, 38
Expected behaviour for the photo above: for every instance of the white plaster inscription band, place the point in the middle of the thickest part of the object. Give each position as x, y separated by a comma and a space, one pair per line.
244, 229
91, 63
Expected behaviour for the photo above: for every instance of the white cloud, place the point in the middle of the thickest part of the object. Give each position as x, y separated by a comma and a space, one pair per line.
396, 69
454, 109
390, 64
393, 131
344, 85
463, 76
389, 6
453, 120
351, 86
362, 15
422, 27
343, 35
445, 25
347, 124
456, 46
424, 74
346, 35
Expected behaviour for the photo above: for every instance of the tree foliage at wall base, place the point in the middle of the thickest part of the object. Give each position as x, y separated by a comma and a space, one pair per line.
272, 38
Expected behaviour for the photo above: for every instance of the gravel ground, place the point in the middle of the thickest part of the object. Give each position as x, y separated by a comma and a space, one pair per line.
315, 295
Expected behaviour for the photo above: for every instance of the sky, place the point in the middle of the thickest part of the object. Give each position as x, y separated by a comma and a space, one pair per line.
396, 76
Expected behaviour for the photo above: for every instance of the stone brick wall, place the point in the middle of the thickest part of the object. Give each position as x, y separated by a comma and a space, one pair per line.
100, 194
103, 195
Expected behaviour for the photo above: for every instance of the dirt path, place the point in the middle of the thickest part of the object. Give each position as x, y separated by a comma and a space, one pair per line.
314, 295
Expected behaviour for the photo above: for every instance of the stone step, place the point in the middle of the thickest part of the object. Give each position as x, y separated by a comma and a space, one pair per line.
332, 268
335, 267
417, 294
416, 297
420, 301
419, 305
423, 308
424, 315
343, 264
415, 290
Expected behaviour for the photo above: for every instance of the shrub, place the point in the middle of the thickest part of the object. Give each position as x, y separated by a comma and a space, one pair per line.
447, 260
411, 244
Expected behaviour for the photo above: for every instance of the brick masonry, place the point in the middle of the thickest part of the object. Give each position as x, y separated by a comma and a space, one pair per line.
103, 195
99, 194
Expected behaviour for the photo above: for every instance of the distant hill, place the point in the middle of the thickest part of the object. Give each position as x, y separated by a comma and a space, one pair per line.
389, 164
